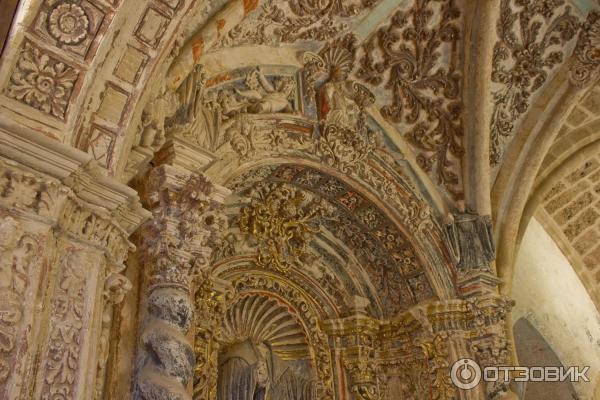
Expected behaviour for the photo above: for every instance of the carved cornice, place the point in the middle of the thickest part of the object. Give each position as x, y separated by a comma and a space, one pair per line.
60, 168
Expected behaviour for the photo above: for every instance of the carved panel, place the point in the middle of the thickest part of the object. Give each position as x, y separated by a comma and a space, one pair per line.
71, 26
71, 308
101, 144
152, 27
18, 251
42, 81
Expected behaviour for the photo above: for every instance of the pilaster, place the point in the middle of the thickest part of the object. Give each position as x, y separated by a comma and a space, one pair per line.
64, 235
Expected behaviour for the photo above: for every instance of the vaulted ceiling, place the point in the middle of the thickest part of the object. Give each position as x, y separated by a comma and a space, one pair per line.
475, 104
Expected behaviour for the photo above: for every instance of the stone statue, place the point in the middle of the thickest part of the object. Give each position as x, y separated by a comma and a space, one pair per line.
262, 97
261, 380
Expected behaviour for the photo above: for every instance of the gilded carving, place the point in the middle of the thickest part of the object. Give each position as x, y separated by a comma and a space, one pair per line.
406, 56
42, 82
283, 221
532, 36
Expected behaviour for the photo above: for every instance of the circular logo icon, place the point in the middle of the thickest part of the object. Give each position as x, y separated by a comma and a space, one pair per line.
465, 374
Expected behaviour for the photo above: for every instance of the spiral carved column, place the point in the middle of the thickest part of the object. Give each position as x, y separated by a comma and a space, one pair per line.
175, 249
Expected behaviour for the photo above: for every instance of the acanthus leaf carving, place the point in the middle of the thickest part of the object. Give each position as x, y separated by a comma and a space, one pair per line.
532, 40
296, 20
425, 94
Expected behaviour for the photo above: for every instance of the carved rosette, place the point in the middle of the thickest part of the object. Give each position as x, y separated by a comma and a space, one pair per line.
175, 250
586, 57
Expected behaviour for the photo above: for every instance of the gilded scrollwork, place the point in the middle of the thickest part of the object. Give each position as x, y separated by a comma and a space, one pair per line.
406, 56
533, 35
283, 221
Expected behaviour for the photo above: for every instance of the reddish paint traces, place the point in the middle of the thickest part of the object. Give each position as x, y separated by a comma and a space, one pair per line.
249, 5
218, 79
220, 25
197, 48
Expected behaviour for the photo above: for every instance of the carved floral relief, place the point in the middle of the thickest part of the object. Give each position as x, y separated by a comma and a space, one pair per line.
42, 81
533, 36
413, 57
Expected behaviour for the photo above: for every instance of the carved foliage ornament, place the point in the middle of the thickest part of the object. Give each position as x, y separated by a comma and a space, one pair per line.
185, 222
406, 57
293, 20
66, 327
42, 82
586, 64
282, 220
532, 37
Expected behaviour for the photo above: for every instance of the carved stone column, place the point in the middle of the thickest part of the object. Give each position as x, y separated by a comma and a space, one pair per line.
63, 230
175, 249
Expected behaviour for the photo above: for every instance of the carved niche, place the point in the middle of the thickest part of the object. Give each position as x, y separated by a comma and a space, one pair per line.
344, 139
